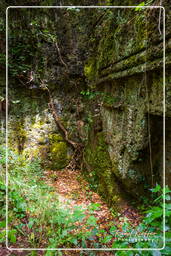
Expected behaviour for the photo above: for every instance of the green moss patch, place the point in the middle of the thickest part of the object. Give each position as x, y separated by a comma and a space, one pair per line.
101, 170
58, 152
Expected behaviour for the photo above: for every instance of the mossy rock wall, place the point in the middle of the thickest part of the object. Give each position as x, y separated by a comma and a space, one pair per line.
128, 125
32, 131
127, 66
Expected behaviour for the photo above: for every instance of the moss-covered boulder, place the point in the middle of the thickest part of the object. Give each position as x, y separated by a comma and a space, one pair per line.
58, 152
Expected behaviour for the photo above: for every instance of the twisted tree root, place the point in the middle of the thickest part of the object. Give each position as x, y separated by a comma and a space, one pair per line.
77, 147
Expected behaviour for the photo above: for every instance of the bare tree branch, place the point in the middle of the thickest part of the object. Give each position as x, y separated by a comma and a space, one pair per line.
60, 57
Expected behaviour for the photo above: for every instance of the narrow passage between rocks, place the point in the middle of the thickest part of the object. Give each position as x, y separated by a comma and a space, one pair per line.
73, 190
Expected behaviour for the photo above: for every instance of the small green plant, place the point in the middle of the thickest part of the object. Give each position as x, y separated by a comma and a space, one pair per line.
89, 94
139, 6
150, 230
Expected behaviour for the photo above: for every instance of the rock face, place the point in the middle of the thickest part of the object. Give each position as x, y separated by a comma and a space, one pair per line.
58, 63
127, 68
104, 69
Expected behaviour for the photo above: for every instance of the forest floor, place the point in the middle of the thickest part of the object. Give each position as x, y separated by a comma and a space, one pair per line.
74, 190
71, 190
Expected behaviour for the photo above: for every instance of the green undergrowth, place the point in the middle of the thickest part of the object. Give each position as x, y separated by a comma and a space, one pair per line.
150, 232
38, 219
35, 212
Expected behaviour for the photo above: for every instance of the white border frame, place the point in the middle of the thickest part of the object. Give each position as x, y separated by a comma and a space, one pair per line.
164, 109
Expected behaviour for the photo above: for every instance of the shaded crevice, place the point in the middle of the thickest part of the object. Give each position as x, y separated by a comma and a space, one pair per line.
154, 157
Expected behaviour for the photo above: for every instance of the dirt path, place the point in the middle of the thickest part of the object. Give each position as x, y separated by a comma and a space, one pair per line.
73, 190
